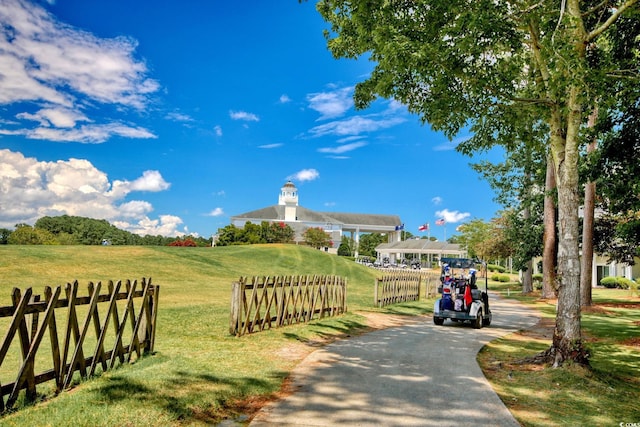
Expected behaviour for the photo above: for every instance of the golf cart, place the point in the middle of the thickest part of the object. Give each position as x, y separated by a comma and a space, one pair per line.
461, 299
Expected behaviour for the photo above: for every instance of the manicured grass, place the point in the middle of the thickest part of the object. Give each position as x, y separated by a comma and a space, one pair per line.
199, 373
539, 395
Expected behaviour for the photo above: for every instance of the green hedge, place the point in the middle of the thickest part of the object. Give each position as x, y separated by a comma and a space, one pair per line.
504, 278
498, 268
617, 283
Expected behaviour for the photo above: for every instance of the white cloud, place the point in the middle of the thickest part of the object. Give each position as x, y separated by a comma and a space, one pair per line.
268, 146
179, 117
65, 73
93, 134
452, 217
354, 126
60, 117
135, 209
451, 145
342, 148
218, 130
216, 212
436, 200
150, 181
31, 189
243, 115
284, 98
331, 104
165, 225
304, 175
350, 138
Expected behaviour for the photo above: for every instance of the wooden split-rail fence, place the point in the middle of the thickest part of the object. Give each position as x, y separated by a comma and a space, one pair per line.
268, 302
120, 334
403, 286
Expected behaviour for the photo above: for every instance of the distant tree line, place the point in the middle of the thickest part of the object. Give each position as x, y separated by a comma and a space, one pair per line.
266, 232
75, 230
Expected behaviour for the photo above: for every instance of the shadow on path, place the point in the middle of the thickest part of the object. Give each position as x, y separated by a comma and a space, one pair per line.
414, 375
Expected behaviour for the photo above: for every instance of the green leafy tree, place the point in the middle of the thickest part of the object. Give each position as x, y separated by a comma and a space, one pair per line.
277, 232
345, 247
495, 66
66, 239
617, 173
252, 234
316, 237
4, 235
476, 235
369, 242
27, 235
229, 235
86, 231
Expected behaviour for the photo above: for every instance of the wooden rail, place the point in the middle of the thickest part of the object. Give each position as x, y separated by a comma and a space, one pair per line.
34, 323
276, 301
402, 286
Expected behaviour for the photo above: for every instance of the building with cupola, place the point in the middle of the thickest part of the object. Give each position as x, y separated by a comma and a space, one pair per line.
299, 218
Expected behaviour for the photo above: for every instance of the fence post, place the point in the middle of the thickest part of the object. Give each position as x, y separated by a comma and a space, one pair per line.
235, 307
376, 302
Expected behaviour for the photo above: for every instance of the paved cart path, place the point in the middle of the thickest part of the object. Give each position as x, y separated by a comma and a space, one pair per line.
419, 374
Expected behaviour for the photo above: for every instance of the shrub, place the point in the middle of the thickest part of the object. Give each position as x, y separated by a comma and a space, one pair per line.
500, 278
498, 268
185, 243
537, 281
616, 282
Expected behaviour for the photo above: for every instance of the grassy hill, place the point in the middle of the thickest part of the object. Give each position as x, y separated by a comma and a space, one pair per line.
199, 373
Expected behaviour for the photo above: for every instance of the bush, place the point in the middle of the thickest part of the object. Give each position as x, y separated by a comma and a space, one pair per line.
537, 281
504, 278
616, 283
498, 268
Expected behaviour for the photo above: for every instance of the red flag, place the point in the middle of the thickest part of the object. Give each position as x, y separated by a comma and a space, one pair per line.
467, 296
423, 227
440, 221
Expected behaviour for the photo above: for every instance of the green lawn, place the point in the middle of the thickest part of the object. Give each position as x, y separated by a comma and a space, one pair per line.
605, 395
199, 373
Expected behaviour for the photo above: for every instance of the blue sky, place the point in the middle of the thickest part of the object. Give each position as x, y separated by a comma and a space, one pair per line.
168, 117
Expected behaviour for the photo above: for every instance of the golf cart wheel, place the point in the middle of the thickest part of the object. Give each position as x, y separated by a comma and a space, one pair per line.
477, 324
438, 321
486, 321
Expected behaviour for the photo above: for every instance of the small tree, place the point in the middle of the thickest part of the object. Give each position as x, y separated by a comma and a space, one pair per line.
316, 237
27, 235
369, 242
344, 249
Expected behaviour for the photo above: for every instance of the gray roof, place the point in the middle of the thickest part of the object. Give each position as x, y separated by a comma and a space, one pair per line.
276, 213
421, 246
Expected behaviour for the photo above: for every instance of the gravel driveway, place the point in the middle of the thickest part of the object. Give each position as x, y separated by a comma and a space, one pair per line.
419, 374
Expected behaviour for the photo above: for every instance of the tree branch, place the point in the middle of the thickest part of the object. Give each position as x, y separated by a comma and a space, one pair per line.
613, 18
544, 101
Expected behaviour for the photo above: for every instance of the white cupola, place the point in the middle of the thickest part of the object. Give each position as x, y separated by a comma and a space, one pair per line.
289, 199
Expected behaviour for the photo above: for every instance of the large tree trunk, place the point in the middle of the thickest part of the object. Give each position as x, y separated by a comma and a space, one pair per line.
587, 244
567, 338
527, 276
527, 279
586, 268
549, 260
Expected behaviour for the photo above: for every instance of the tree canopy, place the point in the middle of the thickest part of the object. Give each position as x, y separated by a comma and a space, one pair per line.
499, 68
